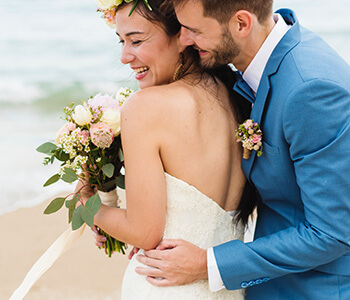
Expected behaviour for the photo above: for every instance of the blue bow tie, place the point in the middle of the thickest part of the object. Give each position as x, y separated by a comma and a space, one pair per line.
242, 88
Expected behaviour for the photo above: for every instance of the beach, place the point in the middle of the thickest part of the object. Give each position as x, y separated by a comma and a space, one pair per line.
52, 55
83, 272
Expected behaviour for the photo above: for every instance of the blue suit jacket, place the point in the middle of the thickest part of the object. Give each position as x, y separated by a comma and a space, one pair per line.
303, 176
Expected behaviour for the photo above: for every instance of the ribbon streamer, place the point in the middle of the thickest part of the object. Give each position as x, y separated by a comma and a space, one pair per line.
60, 246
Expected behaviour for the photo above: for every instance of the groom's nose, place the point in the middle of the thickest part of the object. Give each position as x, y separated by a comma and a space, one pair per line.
185, 37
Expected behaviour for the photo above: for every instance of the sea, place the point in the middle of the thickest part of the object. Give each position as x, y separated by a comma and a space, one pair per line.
53, 53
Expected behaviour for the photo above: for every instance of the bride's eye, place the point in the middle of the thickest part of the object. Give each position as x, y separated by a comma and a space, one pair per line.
121, 42
136, 42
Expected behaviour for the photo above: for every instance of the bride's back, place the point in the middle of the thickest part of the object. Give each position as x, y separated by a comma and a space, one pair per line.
196, 133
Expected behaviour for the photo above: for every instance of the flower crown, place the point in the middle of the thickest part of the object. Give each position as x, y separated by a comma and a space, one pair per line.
109, 9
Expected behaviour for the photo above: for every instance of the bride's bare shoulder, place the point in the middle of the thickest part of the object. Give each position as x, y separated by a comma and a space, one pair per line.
160, 101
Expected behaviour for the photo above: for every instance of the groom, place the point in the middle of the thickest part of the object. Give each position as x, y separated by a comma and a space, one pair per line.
300, 90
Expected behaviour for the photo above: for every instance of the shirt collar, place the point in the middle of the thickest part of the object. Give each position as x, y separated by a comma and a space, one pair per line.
252, 75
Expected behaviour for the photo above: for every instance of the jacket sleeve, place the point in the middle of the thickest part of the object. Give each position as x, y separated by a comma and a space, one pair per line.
316, 126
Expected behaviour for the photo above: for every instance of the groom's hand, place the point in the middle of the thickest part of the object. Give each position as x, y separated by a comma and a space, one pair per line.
174, 262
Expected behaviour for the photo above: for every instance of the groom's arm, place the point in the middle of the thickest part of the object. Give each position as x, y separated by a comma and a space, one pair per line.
316, 125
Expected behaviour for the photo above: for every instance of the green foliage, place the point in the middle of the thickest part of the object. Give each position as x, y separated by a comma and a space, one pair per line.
70, 204
61, 155
120, 181
54, 206
108, 169
90, 209
47, 148
77, 220
69, 176
52, 180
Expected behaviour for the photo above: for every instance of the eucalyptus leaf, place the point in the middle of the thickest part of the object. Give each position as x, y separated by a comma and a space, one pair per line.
69, 175
108, 170
121, 155
120, 181
77, 220
94, 203
61, 155
87, 215
47, 148
70, 204
54, 206
52, 180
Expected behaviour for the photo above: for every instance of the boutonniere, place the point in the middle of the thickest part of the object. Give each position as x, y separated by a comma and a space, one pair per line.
250, 135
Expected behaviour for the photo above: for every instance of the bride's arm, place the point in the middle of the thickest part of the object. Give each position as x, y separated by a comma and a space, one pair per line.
142, 223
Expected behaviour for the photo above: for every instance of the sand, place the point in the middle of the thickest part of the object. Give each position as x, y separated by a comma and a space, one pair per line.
84, 272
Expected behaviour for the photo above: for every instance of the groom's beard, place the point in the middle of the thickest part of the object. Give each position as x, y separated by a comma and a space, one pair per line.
224, 53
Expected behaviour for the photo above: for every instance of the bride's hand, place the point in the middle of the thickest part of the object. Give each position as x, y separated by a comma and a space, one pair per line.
99, 239
174, 262
133, 252
85, 191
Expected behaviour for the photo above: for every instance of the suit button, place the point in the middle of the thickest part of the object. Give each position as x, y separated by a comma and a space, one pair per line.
266, 279
258, 281
244, 284
251, 283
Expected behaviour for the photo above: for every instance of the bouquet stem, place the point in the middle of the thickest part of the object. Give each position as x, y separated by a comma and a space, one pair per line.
111, 244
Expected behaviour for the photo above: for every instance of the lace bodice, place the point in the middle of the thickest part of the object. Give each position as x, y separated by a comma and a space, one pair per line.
194, 217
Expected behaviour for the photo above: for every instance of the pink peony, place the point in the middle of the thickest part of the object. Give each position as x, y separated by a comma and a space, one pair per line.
256, 138
65, 129
103, 101
101, 135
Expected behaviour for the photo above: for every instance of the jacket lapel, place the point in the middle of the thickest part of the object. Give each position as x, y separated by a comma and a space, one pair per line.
289, 41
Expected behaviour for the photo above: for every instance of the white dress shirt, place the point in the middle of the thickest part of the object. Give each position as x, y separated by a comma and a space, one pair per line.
252, 75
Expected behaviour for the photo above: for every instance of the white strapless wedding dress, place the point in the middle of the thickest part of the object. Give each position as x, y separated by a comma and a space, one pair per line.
194, 217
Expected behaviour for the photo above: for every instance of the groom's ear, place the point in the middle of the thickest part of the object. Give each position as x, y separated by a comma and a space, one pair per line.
241, 23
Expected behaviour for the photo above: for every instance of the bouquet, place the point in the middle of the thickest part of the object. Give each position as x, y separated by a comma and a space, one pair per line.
89, 148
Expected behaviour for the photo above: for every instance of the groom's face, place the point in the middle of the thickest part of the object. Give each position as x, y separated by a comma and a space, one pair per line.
212, 40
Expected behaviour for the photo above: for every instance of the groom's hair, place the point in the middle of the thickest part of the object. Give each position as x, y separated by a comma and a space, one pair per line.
223, 10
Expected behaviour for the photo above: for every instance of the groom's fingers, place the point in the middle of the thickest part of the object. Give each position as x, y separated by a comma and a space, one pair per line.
158, 282
148, 261
168, 244
153, 272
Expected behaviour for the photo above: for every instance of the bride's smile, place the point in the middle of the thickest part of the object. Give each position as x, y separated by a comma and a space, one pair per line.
151, 54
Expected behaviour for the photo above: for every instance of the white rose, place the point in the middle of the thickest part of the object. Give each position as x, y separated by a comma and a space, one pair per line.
107, 4
82, 116
111, 117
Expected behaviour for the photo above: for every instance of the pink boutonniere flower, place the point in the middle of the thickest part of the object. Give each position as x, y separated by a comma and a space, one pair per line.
250, 135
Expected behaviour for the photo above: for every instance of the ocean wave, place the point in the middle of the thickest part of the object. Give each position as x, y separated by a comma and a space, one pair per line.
45, 94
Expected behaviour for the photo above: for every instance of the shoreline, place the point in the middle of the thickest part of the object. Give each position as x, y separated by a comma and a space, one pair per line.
83, 272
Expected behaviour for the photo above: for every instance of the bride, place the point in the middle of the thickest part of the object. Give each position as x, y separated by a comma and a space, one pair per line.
182, 165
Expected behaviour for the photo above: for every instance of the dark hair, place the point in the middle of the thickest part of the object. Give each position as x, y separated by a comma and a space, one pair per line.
164, 15
222, 11
241, 109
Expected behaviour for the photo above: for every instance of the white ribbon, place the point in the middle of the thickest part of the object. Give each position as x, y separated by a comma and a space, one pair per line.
61, 245
110, 199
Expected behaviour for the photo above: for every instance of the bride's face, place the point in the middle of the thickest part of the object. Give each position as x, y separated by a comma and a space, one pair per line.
147, 49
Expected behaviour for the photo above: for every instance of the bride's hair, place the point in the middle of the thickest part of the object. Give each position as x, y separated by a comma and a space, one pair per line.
163, 14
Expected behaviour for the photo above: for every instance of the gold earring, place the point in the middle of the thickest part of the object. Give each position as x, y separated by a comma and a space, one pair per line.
180, 66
